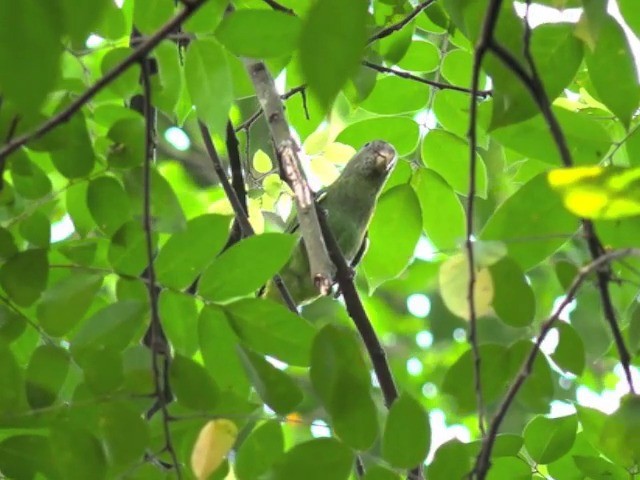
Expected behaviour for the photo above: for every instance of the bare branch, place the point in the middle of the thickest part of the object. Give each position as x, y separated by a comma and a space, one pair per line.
490, 19
385, 32
280, 8
433, 83
157, 340
482, 462
252, 119
139, 53
321, 267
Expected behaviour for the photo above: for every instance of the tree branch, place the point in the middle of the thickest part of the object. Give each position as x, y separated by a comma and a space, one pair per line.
483, 460
385, 32
139, 53
157, 340
489, 22
433, 83
320, 266
252, 119
280, 8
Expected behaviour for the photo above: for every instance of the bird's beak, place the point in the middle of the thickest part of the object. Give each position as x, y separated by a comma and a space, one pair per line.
385, 157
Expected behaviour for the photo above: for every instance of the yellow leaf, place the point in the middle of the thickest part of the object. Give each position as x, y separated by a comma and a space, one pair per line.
324, 170
261, 162
212, 446
339, 152
454, 285
561, 177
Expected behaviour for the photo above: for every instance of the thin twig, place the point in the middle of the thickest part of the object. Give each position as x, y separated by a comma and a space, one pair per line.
280, 8
257, 114
433, 83
236, 204
355, 309
621, 142
483, 460
3, 158
139, 53
489, 22
385, 32
157, 338
237, 181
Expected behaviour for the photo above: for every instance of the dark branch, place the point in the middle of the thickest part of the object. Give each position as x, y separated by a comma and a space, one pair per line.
138, 54
3, 158
157, 340
433, 83
281, 8
489, 22
246, 125
385, 32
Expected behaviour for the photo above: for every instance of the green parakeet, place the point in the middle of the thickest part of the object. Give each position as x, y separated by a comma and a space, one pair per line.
349, 203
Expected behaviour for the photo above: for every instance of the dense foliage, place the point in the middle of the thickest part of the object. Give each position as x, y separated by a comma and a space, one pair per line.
132, 344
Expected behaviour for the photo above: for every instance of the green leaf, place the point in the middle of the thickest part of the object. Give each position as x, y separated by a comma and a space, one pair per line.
401, 132
537, 390
443, 219
259, 33
103, 371
125, 433
12, 324
108, 203
569, 355
179, 316
598, 192
206, 19
458, 381
519, 219
448, 155
513, 299
331, 45
36, 229
150, 15
218, 346
318, 459
128, 249
35, 26
611, 63
378, 472
209, 83
128, 147
80, 455
75, 158
166, 213
112, 327
271, 329
421, 56
259, 451
382, 263
29, 180
187, 253
127, 83
631, 14
11, 383
509, 467
341, 379
451, 461
168, 83
8, 246
76, 203
587, 140
548, 439
24, 276
84, 17
394, 95
407, 434
457, 68
246, 266
46, 372
557, 54
599, 469
192, 385
275, 387
620, 436
21, 456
